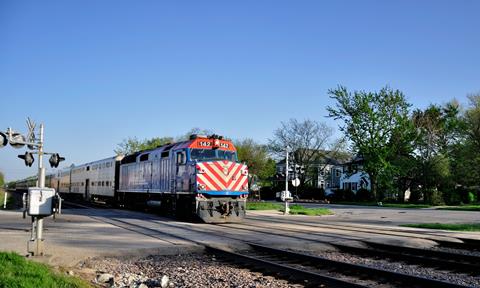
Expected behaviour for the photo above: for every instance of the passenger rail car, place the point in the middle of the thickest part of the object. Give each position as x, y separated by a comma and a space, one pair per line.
201, 176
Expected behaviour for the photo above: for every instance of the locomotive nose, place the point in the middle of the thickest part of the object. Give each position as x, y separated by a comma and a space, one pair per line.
222, 176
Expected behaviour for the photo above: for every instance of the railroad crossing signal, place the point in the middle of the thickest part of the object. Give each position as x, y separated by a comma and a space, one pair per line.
28, 158
55, 160
3, 140
17, 141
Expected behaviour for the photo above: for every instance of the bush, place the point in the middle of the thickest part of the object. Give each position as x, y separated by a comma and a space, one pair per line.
436, 198
311, 193
340, 195
268, 193
452, 197
364, 195
415, 196
472, 198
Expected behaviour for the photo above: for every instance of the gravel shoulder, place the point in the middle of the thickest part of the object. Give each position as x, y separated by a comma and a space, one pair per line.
185, 270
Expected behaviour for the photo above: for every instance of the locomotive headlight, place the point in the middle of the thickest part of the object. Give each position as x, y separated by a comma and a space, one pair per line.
245, 187
201, 187
244, 172
201, 171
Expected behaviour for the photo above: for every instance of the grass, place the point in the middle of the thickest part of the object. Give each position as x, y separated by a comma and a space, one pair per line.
404, 205
300, 210
462, 208
472, 227
294, 209
263, 206
16, 271
388, 205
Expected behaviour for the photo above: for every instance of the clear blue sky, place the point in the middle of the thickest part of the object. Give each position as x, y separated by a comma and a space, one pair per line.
96, 72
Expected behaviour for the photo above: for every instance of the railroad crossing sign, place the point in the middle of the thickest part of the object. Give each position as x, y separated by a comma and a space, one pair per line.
295, 182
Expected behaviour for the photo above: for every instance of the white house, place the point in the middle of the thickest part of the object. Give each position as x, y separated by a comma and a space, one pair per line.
353, 177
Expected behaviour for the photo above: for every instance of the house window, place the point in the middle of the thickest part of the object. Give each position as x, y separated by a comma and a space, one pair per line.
337, 173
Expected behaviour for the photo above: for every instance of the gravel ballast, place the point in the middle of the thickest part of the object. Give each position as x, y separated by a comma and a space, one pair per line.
447, 276
186, 270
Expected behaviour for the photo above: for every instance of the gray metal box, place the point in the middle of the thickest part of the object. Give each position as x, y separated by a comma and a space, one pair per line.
40, 201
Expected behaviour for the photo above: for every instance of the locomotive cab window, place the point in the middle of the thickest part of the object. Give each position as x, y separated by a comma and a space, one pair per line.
181, 158
144, 157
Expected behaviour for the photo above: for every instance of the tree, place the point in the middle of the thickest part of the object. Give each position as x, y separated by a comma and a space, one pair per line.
371, 121
465, 154
256, 157
2, 180
132, 144
472, 119
308, 141
439, 131
193, 131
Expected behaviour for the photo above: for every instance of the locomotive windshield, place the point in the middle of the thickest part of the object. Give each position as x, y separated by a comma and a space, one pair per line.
209, 154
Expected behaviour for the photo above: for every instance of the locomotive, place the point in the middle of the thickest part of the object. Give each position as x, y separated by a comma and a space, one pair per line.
200, 177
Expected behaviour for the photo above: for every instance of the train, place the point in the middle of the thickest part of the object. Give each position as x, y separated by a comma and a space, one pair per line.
198, 178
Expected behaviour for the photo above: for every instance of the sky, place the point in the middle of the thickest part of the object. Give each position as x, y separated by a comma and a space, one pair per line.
97, 72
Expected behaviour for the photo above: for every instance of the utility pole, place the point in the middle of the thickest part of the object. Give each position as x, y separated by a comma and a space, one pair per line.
286, 196
43, 206
41, 184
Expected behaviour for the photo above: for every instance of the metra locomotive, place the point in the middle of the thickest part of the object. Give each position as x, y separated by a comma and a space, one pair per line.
201, 176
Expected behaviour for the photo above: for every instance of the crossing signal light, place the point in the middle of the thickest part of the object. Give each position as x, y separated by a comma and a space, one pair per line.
55, 160
3, 139
28, 158
17, 140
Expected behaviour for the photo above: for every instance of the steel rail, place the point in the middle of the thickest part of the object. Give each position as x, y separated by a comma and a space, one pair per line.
433, 258
314, 279
394, 278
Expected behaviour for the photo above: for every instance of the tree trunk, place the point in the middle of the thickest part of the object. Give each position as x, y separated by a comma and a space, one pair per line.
373, 183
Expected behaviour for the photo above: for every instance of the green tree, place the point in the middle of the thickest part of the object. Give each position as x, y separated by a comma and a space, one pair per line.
256, 157
372, 121
133, 144
2, 180
465, 154
193, 131
472, 120
438, 133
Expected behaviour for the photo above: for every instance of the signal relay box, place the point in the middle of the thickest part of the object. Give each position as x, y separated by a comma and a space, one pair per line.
41, 201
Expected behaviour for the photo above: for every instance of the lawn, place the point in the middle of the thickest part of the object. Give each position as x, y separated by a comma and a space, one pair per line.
405, 205
462, 208
16, 271
388, 205
300, 210
295, 209
471, 227
263, 206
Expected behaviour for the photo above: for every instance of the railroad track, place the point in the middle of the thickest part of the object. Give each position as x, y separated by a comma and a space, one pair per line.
463, 243
423, 257
450, 261
315, 271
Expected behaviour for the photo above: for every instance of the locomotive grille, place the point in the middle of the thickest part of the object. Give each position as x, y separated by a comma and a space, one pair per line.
222, 176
